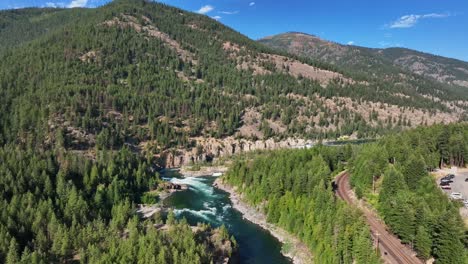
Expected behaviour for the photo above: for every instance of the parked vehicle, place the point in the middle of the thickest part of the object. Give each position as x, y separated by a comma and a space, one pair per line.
448, 177
446, 187
456, 196
466, 179
444, 183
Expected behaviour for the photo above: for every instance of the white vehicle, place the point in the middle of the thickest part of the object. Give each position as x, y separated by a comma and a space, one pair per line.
456, 196
465, 202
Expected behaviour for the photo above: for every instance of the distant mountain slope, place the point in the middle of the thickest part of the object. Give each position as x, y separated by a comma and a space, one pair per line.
22, 25
444, 70
361, 60
157, 78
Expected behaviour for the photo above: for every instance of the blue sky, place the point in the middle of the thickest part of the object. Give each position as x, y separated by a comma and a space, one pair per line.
434, 26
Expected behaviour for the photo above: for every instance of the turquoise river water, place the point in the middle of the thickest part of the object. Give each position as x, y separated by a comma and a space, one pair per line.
204, 203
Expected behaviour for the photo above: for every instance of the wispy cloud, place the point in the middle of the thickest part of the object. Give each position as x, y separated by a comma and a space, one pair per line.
229, 12
386, 44
408, 21
251, 3
350, 42
216, 17
205, 9
77, 3
55, 4
15, 6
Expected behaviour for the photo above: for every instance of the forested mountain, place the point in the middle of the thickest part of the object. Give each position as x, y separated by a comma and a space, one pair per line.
22, 25
91, 99
446, 73
444, 70
154, 77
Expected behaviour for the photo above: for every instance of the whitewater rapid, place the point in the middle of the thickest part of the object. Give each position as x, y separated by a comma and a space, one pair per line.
201, 202
213, 209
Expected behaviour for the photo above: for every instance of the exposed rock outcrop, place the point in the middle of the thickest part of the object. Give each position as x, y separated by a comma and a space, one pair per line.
210, 149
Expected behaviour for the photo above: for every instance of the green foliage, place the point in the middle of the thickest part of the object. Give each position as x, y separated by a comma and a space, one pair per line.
423, 243
367, 167
57, 205
295, 188
73, 85
447, 239
380, 67
409, 200
79, 81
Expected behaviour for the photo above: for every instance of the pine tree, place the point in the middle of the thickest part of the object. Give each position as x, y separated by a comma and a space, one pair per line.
448, 246
423, 243
393, 183
414, 170
12, 256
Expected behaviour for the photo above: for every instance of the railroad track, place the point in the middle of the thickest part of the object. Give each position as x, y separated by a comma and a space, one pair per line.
391, 248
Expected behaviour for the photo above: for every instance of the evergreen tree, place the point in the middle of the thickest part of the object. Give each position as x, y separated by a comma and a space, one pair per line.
413, 171
423, 243
12, 256
448, 247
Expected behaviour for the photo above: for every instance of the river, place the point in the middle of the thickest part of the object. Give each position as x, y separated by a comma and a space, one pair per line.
204, 203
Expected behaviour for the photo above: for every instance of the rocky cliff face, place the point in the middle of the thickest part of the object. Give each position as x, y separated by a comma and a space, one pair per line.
210, 149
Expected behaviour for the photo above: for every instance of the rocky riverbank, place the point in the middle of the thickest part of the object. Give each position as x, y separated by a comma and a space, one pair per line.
298, 251
188, 171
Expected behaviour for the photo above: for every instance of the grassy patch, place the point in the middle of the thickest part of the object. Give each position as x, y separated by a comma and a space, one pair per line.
372, 199
195, 167
151, 197
287, 247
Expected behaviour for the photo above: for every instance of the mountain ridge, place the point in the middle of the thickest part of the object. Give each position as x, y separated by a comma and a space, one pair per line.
424, 64
160, 79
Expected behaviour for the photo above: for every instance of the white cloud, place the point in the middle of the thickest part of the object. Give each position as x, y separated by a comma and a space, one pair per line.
350, 42
408, 21
216, 17
251, 3
384, 43
77, 3
54, 5
205, 9
435, 15
229, 12
15, 7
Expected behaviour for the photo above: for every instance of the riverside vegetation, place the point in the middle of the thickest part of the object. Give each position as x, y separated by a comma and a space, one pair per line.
407, 196
59, 207
91, 99
294, 188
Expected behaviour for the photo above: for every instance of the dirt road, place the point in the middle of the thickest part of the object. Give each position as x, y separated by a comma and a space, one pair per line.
392, 250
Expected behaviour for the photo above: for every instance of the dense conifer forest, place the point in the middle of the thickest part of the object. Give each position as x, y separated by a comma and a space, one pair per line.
90, 98
407, 196
58, 207
294, 187
146, 74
